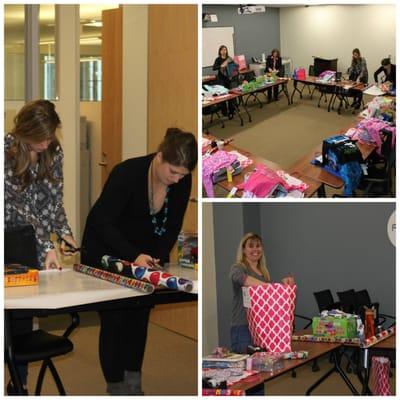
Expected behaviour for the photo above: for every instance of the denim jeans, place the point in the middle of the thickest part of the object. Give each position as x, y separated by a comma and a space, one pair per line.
240, 339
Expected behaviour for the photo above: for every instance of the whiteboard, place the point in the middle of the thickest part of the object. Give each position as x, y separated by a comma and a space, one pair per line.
213, 38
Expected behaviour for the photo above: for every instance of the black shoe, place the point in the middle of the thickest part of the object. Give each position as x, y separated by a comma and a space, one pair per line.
230, 116
12, 392
357, 105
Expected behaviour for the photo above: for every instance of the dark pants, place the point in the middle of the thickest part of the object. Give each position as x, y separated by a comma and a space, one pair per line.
20, 248
240, 339
123, 335
276, 91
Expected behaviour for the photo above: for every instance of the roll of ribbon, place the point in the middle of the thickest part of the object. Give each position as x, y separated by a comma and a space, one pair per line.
115, 278
147, 274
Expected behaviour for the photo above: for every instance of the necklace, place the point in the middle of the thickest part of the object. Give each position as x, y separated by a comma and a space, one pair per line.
159, 226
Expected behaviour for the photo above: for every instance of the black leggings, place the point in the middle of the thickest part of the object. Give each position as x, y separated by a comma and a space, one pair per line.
123, 335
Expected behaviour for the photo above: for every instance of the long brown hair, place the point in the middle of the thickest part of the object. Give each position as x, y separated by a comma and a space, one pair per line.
241, 259
354, 61
36, 122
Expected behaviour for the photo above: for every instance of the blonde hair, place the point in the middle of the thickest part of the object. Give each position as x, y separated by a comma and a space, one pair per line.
241, 259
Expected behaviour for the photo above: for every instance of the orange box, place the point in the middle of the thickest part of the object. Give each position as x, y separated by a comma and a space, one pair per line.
25, 279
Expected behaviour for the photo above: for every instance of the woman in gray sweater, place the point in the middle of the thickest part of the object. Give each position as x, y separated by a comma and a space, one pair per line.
250, 269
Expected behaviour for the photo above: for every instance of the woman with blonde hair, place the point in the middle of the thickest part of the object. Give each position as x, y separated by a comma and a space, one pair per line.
250, 269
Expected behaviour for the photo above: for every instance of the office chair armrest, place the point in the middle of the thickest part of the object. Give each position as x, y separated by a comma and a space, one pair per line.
74, 324
305, 318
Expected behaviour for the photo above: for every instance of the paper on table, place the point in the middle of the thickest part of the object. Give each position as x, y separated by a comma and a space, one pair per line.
374, 91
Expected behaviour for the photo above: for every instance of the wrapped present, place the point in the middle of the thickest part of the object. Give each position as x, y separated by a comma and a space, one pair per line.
335, 327
380, 385
266, 362
223, 392
187, 249
19, 275
270, 314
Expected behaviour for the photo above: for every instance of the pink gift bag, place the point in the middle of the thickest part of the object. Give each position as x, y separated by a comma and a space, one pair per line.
241, 61
380, 385
270, 315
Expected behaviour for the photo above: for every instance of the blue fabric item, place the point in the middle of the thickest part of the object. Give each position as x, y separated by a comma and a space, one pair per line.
240, 339
351, 173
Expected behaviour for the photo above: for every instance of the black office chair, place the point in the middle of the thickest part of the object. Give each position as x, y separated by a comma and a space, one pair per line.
379, 181
325, 300
213, 110
37, 346
347, 300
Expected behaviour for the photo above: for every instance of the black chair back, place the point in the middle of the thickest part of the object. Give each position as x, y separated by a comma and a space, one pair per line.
324, 300
323, 64
347, 300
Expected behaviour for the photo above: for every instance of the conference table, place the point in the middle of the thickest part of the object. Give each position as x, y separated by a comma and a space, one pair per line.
315, 350
314, 185
337, 89
68, 291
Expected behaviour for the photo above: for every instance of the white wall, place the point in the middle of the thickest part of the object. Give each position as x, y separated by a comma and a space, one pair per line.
210, 314
334, 31
134, 72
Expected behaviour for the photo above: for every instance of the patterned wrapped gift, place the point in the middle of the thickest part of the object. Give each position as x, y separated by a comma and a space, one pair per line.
270, 314
335, 327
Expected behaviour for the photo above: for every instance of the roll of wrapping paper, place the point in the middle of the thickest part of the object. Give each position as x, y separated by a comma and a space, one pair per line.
378, 337
115, 278
147, 274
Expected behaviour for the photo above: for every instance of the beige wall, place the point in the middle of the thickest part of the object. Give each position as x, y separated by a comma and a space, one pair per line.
210, 323
92, 111
68, 30
134, 70
334, 31
11, 109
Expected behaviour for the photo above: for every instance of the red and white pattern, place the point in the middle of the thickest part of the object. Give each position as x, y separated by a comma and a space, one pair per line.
380, 385
271, 315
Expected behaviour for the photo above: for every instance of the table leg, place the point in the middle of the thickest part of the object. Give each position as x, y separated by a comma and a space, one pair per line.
321, 191
245, 109
335, 368
295, 89
285, 91
331, 101
365, 356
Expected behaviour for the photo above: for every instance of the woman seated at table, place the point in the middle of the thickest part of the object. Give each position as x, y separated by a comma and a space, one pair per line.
273, 66
221, 64
389, 70
358, 72
138, 217
33, 196
250, 269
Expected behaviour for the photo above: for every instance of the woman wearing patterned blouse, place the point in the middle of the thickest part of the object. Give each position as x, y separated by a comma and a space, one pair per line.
33, 197
357, 72
33, 186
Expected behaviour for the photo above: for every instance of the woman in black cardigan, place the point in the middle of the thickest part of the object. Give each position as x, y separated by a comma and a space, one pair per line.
138, 217
273, 65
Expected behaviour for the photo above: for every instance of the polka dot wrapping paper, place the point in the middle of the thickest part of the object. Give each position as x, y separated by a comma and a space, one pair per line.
151, 275
115, 278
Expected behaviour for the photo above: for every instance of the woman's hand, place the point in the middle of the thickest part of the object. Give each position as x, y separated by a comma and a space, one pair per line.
68, 245
144, 260
288, 280
51, 260
224, 64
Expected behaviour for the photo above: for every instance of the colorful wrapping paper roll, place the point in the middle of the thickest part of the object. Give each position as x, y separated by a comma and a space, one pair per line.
223, 392
378, 337
312, 338
115, 278
147, 274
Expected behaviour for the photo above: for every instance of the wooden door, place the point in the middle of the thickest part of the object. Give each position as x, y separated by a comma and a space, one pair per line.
172, 101
111, 106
